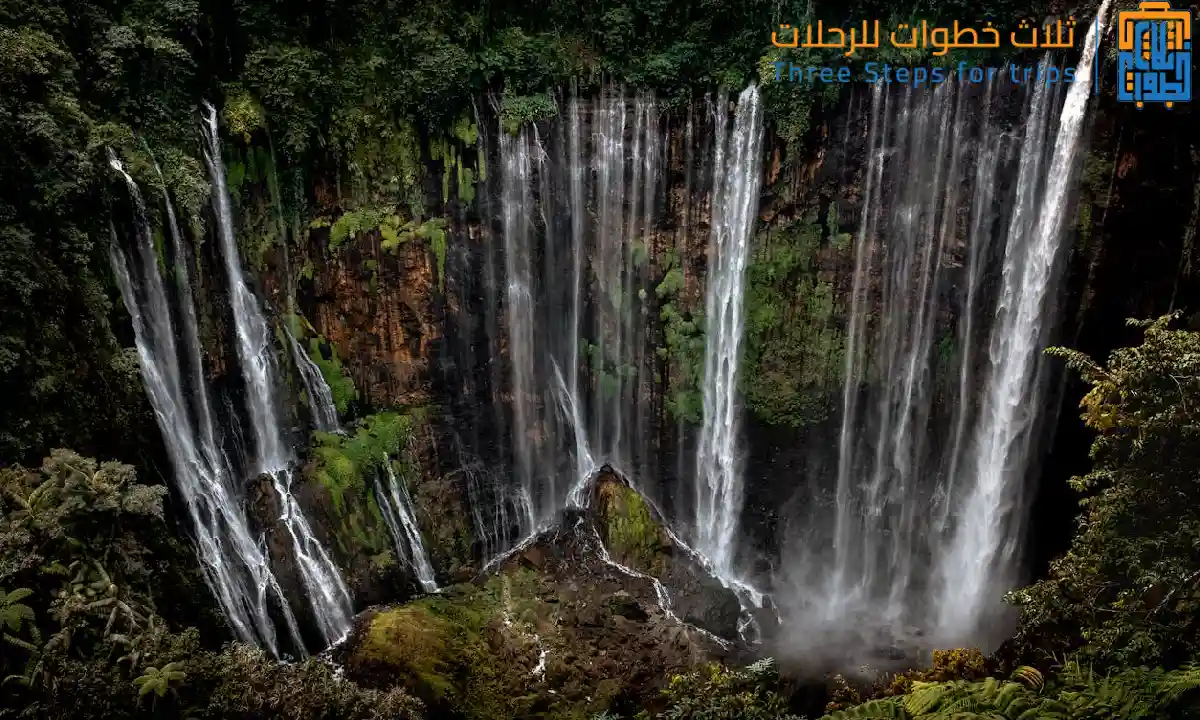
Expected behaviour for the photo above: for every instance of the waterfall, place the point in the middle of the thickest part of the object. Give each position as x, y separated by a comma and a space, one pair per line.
577, 209
879, 476
396, 505
234, 565
922, 536
320, 397
327, 593
736, 181
985, 541
519, 313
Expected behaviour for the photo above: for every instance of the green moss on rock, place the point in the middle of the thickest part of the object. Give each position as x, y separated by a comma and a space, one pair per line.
630, 532
795, 344
557, 633
413, 640
448, 649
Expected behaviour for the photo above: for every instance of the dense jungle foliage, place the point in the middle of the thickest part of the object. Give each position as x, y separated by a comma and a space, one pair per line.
103, 610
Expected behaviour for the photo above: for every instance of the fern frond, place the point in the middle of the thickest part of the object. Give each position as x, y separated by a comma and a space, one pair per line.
1178, 683
884, 709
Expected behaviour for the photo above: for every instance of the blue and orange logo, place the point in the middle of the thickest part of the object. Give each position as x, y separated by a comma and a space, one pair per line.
1154, 60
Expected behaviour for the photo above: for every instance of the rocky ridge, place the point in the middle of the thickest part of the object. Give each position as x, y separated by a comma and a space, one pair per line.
595, 613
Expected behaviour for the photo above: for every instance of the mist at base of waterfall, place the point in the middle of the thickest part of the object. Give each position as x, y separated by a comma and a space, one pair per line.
960, 247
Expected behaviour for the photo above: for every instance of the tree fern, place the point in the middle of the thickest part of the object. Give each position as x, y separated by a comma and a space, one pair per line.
159, 680
1029, 677
14, 615
887, 709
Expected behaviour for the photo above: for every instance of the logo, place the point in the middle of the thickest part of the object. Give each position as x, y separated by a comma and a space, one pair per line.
1154, 62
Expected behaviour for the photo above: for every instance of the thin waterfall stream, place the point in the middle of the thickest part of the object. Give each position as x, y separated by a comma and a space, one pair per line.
320, 397
396, 505
327, 593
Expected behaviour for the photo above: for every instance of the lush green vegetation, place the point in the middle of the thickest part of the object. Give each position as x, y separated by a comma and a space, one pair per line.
341, 385
338, 113
719, 693
794, 345
1127, 592
439, 647
333, 107
350, 467
1075, 693
103, 613
683, 351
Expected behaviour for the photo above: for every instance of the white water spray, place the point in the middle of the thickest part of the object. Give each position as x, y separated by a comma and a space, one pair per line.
942, 369
984, 545
234, 565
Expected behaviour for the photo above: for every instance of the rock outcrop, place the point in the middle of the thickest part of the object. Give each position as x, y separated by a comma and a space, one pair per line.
636, 536
561, 627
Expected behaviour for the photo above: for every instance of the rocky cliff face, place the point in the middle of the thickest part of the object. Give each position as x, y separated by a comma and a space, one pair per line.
396, 309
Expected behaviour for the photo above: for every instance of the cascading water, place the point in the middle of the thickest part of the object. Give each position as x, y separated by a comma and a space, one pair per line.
984, 544
327, 593
737, 171
320, 397
578, 377
396, 505
937, 420
578, 211
519, 313
234, 565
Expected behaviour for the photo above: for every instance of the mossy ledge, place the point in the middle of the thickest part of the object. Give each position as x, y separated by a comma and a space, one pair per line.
628, 527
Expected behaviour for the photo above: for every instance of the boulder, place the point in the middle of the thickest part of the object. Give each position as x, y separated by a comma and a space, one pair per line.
636, 536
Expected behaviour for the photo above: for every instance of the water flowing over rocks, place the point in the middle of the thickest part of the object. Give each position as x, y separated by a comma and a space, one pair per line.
789, 354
